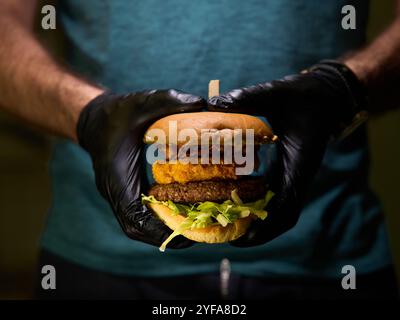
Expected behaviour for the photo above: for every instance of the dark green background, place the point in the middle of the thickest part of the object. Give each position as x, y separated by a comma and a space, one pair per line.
25, 194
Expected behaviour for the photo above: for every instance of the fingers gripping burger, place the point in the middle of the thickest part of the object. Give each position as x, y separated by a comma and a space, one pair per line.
207, 202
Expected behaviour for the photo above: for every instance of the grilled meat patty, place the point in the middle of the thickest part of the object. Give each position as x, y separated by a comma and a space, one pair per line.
248, 189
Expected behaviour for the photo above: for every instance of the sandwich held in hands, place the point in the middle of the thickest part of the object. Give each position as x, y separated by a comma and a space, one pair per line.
207, 196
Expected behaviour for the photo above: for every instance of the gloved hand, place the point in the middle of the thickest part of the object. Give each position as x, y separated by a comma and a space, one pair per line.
111, 128
304, 110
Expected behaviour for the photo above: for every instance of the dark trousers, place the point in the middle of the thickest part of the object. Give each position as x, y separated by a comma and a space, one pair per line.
77, 282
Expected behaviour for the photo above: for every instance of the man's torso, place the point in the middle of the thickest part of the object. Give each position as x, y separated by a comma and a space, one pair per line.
137, 45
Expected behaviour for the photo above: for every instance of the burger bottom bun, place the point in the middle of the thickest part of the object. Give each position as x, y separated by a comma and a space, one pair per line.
211, 234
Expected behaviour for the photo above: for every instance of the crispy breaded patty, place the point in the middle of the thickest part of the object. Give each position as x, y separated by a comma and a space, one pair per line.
183, 173
248, 189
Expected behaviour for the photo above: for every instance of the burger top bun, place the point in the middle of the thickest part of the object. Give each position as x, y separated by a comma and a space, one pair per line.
210, 234
213, 123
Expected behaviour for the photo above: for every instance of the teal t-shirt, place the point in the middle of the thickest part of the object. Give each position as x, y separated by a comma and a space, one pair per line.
136, 45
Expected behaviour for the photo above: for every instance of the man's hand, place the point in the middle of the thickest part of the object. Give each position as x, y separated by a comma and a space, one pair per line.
111, 129
304, 110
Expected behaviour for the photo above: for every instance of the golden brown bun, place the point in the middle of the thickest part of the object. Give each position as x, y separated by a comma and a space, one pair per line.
218, 123
211, 234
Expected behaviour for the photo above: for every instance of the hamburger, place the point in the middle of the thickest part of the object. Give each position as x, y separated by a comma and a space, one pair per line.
207, 202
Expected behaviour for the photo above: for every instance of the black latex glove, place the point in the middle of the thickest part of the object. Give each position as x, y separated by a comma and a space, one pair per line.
304, 110
111, 129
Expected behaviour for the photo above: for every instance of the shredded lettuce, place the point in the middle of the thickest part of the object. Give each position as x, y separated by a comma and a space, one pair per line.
204, 214
185, 225
222, 220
